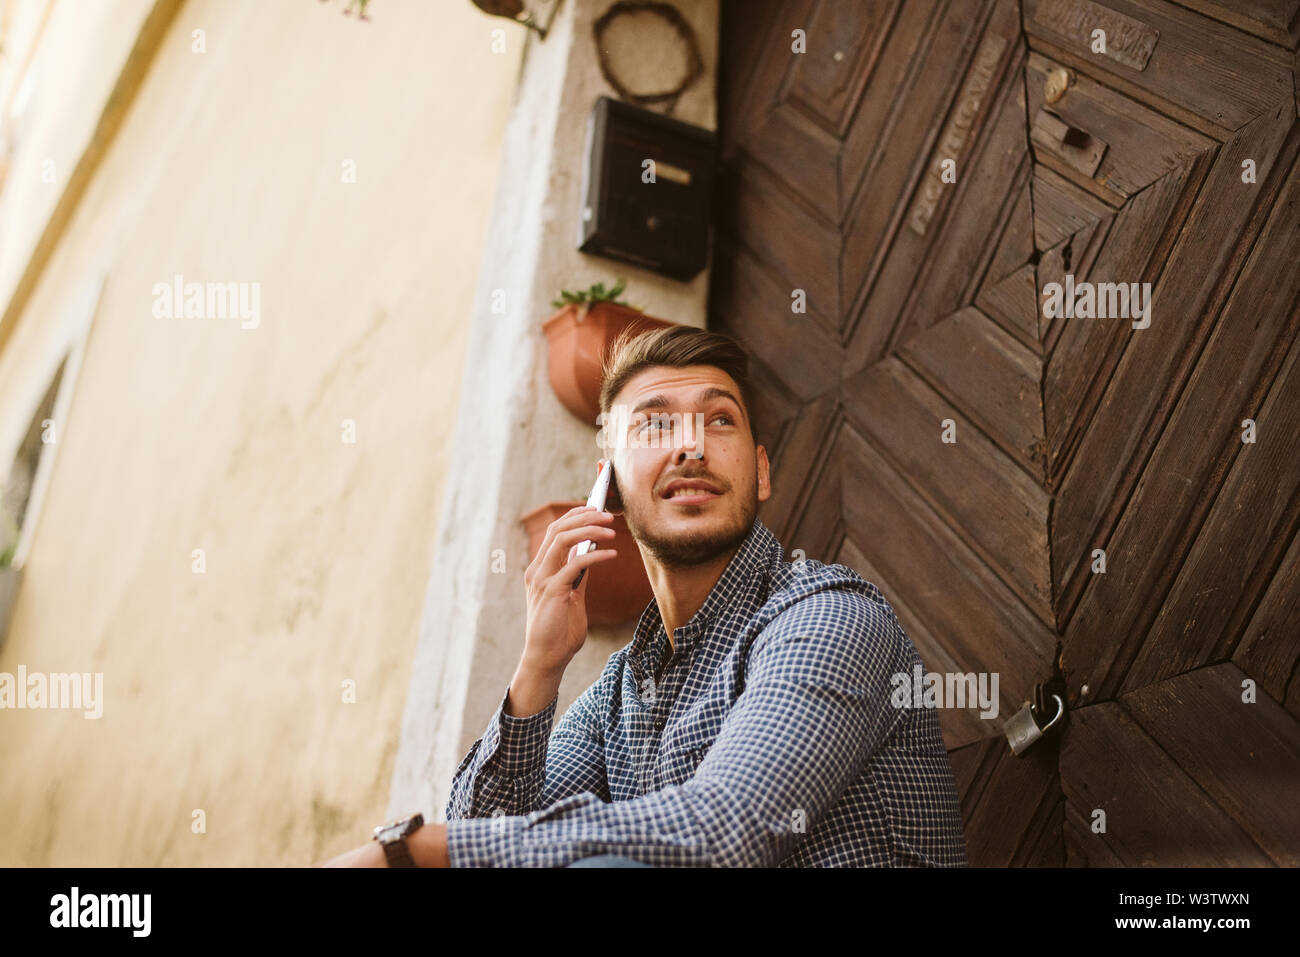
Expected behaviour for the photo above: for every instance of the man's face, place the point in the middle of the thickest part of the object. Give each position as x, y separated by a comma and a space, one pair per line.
697, 528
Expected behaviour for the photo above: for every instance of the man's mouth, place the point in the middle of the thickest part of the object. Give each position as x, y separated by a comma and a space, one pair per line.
692, 498
688, 494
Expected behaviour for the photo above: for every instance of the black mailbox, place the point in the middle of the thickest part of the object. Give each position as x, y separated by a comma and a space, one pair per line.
661, 225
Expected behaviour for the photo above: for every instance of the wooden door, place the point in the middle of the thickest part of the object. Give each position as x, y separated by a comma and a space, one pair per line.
1065, 499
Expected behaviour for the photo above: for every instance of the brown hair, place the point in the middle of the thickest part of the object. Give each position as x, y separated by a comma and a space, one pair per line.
676, 347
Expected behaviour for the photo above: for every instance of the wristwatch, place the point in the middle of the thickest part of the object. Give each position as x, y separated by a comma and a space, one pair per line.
392, 838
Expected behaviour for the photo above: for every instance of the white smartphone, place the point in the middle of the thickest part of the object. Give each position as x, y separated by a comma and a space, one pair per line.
599, 492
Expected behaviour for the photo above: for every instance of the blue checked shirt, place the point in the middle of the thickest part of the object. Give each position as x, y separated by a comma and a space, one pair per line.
766, 737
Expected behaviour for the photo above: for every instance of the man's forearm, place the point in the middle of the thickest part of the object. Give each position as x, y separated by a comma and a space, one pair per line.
505, 769
427, 845
531, 690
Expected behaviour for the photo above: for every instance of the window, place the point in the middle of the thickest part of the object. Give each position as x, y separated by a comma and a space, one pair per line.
17, 494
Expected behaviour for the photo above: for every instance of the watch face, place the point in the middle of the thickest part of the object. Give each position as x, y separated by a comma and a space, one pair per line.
399, 828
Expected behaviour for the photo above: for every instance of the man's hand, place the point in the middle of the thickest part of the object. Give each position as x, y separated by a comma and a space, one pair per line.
557, 612
428, 846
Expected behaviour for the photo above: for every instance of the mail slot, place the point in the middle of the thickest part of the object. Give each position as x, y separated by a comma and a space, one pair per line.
647, 192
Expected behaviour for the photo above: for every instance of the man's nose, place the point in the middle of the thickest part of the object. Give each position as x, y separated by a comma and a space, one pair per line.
692, 439
692, 447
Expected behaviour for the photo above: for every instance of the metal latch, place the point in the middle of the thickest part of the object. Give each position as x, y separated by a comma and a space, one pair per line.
1074, 146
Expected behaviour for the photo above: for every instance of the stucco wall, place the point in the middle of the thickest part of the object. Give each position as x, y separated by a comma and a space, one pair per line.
223, 691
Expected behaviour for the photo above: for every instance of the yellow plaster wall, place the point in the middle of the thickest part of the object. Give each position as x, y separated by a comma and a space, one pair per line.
223, 691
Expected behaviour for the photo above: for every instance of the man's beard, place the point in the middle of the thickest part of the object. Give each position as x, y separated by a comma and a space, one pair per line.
694, 547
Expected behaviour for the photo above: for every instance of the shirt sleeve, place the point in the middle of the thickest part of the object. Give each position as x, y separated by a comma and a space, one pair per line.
815, 707
515, 768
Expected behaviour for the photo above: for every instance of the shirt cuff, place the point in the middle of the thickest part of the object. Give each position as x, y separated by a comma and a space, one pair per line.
517, 745
484, 841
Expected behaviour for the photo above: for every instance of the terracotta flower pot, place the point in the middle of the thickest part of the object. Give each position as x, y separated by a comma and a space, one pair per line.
618, 590
578, 345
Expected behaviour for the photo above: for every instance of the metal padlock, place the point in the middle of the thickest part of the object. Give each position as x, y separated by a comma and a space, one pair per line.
1022, 728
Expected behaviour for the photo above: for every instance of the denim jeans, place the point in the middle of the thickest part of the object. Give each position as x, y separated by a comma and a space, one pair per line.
607, 860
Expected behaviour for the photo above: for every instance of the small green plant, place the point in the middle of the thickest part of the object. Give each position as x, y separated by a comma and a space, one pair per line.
355, 3
594, 294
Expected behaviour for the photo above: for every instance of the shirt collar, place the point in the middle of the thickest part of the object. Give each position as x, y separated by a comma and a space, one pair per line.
744, 581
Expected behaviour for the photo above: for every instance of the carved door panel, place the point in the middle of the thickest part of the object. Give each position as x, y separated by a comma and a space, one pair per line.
1022, 311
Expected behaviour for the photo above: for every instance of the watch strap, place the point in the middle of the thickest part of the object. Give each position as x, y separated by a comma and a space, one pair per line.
392, 838
397, 853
